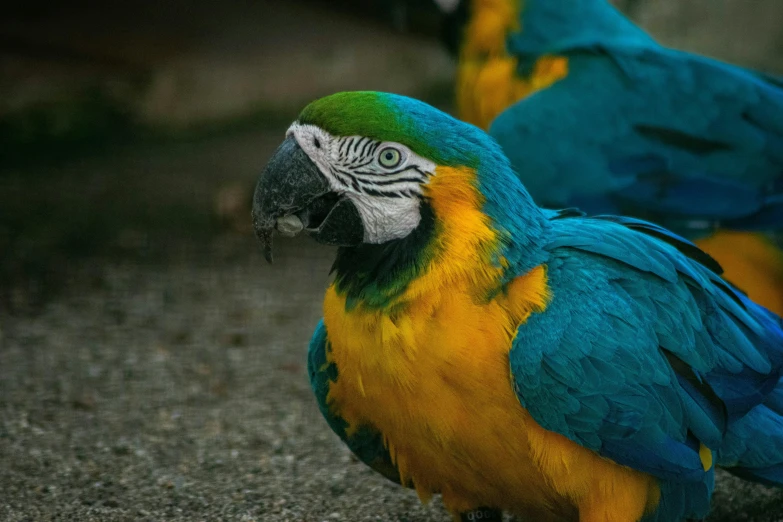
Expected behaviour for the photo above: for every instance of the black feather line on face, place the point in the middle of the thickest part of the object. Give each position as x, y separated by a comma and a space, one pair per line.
364, 148
367, 182
379, 194
383, 183
344, 178
392, 173
355, 166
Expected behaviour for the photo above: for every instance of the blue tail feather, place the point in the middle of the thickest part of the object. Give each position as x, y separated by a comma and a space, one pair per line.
753, 446
680, 500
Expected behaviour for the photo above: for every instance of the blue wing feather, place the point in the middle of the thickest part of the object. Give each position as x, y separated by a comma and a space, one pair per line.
672, 137
643, 352
753, 446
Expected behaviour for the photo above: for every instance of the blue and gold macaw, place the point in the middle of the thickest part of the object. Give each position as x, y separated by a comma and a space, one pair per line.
612, 122
505, 356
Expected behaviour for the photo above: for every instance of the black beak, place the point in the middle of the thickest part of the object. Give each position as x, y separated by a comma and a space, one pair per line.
293, 195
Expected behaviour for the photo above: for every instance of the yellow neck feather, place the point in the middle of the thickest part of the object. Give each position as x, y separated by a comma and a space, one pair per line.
465, 238
462, 268
376, 349
433, 378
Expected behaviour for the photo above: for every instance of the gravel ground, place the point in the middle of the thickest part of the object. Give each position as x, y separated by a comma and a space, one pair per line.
178, 392
157, 372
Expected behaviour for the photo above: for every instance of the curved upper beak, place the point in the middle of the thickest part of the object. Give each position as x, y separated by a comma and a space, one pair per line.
290, 181
293, 195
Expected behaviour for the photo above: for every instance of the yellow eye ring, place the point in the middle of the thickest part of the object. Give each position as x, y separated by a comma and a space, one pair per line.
389, 157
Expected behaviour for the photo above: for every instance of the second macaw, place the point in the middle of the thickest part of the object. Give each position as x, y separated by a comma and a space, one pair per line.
505, 356
593, 113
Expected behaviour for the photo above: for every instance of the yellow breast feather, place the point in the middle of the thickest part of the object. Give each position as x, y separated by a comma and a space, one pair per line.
432, 376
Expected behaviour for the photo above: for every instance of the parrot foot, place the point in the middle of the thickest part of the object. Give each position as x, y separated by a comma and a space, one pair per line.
482, 514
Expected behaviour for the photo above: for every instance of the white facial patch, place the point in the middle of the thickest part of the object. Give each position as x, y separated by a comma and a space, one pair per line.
382, 179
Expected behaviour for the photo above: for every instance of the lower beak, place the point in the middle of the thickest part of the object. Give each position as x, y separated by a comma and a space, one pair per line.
293, 195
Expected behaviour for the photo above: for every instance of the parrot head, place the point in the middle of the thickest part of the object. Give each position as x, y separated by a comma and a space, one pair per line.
354, 168
402, 189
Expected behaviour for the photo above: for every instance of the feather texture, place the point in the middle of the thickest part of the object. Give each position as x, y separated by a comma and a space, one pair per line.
593, 113
545, 362
651, 324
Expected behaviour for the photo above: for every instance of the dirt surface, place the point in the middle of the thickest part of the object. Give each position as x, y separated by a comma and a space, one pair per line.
72, 70
152, 365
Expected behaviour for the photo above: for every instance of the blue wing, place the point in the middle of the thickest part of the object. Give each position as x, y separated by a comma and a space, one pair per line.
753, 446
365, 443
643, 353
664, 135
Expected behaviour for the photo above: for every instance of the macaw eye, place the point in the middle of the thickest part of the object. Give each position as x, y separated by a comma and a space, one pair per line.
389, 157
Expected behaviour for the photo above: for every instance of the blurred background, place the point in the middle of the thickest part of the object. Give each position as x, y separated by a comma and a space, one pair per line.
151, 364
